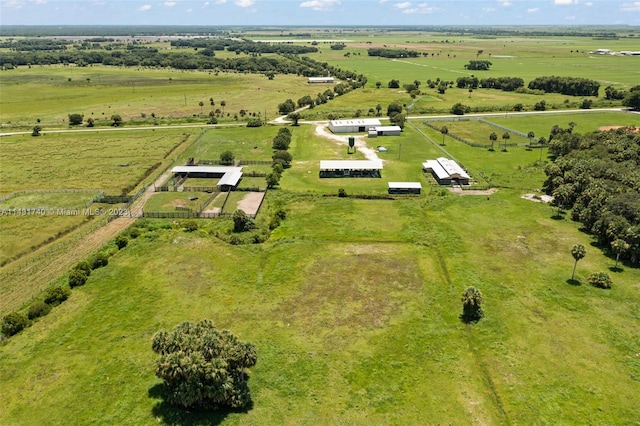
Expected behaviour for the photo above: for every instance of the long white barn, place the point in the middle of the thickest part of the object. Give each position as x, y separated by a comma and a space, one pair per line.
353, 126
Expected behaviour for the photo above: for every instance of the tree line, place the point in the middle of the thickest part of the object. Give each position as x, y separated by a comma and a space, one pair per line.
597, 177
573, 86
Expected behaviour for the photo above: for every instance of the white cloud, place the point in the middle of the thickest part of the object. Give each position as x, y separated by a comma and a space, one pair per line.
144, 8
630, 7
383, 1
565, 2
170, 3
320, 5
403, 5
505, 3
40, 2
570, 18
206, 3
489, 9
589, 4
421, 8
220, 1
189, 10
533, 10
12, 4
244, 3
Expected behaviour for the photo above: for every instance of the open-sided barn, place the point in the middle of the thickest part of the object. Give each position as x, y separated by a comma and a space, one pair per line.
405, 187
229, 176
350, 168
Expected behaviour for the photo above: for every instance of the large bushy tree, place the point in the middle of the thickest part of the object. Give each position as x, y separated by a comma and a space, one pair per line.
204, 367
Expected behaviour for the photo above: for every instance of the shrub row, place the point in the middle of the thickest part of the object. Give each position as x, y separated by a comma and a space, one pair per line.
16, 321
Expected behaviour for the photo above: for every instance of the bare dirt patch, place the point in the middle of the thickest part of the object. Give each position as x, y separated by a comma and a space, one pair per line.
460, 191
360, 143
631, 129
544, 198
251, 202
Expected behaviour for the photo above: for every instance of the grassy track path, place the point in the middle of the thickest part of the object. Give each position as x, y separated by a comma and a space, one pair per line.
32, 279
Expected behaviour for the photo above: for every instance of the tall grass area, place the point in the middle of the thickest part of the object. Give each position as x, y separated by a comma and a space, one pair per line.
108, 161
353, 306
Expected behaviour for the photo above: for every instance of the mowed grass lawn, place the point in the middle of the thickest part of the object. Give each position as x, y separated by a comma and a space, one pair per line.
353, 306
108, 161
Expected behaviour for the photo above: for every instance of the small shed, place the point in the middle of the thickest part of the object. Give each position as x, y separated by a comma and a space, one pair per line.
353, 126
385, 131
350, 168
229, 176
405, 187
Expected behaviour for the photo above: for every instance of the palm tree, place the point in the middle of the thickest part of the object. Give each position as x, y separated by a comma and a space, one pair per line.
505, 137
223, 104
444, 130
618, 247
201, 105
493, 137
578, 252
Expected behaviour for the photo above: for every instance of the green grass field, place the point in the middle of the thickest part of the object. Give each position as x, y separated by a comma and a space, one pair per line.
107, 161
354, 310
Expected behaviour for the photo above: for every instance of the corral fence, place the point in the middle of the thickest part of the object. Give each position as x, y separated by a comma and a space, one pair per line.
480, 120
254, 163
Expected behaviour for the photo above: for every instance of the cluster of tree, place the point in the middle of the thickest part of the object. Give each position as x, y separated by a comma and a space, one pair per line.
242, 46
597, 176
338, 46
150, 57
507, 84
573, 86
392, 53
467, 82
396, 117
203, 367
478, 64
630, 98
460, 109
33, 44
281, 156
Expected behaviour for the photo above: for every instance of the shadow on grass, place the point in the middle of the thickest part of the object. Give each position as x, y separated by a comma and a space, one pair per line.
572, 281
180, 416
616, 269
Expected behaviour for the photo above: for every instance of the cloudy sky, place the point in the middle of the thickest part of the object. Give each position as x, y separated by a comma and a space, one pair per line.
319, 12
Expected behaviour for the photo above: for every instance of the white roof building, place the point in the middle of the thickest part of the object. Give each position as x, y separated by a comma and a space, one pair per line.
353, 126
446, 171
350, 164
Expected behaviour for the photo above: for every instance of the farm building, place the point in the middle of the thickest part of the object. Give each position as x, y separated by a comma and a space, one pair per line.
405, 187
350, 168
446, 171
320, 80
353, 126
229, 176
385, 131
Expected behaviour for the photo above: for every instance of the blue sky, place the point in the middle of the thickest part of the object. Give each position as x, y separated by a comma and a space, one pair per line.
319, 12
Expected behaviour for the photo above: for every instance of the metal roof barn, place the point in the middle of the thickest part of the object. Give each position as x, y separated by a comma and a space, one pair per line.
353, 126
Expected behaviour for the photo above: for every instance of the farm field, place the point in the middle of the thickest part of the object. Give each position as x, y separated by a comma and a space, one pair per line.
353, 302
108, 161
355, 320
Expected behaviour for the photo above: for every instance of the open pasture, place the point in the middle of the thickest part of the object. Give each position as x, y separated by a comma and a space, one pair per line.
354, 311
20, 234
108, 161
175, 201
52, 93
